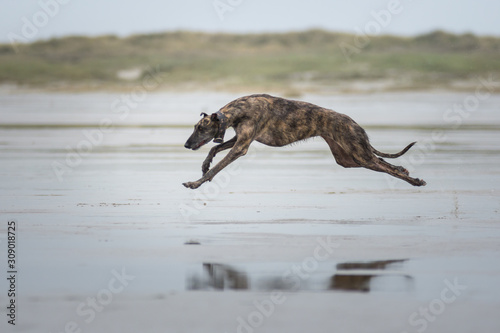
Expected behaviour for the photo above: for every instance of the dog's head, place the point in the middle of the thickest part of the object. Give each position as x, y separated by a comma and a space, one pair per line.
208, 128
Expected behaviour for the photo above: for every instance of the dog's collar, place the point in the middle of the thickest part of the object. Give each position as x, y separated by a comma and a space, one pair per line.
223, 120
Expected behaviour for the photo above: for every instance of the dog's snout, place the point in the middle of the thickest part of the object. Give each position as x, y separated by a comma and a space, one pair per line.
187, 145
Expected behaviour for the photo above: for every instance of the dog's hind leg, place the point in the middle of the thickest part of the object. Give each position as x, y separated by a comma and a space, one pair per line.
380, 165
341, 156
400, 168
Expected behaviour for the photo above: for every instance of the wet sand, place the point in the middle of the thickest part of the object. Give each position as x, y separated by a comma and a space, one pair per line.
108, 240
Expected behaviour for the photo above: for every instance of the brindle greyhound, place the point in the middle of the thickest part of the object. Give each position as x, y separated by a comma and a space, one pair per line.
278, 122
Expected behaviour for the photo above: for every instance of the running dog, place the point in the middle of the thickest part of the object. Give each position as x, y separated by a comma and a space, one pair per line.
278, 122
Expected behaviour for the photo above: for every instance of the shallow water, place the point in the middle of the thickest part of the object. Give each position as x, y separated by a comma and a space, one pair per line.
89, 199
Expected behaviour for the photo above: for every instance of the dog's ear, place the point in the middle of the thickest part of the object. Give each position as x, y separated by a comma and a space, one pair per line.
203, 114
214, 117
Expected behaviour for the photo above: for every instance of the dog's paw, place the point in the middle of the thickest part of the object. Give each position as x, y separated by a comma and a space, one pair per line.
206, 165
204, 168
421, 182
192, 185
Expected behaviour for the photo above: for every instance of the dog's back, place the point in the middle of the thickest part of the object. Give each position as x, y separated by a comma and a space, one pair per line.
280, 122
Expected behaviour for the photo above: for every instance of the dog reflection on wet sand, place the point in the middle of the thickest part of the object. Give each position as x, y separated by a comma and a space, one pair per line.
278, 122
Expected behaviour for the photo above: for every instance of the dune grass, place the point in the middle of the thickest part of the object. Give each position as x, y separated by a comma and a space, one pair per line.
308, 60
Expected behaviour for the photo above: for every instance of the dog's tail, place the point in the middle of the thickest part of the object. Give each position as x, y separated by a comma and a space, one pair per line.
393, 155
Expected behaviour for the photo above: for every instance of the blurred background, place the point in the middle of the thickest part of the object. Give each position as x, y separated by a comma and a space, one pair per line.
286, 46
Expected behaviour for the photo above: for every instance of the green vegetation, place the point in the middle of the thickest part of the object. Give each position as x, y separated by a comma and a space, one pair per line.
300, 61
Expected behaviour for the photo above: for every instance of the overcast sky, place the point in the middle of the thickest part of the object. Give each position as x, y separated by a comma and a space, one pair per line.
42, 19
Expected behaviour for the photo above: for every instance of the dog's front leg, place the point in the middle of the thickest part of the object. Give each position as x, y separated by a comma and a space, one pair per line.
214, 151
239, 149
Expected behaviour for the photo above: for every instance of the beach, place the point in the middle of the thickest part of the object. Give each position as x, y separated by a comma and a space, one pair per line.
284, 240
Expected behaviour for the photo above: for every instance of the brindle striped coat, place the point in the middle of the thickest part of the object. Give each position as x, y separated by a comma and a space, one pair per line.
278, 122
